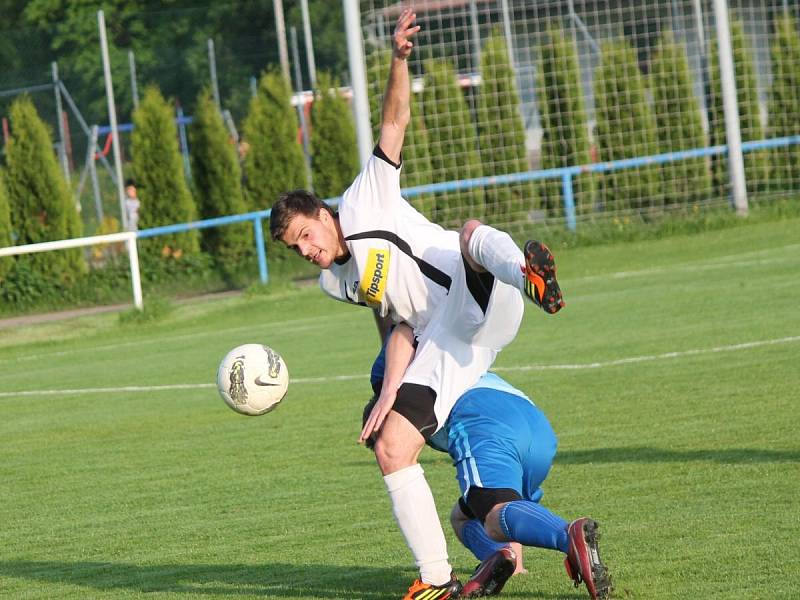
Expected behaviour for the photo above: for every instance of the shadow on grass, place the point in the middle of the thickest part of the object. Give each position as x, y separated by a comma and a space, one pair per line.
265, 580
645, 454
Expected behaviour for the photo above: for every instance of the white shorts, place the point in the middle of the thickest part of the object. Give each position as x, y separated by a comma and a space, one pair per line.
460, 342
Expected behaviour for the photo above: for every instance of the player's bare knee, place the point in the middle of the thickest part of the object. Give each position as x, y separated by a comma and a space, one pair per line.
464, 236
394, 452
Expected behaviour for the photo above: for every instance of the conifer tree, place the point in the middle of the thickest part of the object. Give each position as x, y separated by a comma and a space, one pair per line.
42, 207
678, 124
565, 128
5, 229
417, 168
452, 140
784, 103
274, 162
158, 167
334, 154
625, 129
756, 167
502, 133
218, 185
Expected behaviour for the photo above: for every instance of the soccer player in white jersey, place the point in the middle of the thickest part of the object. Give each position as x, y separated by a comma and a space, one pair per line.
458, 292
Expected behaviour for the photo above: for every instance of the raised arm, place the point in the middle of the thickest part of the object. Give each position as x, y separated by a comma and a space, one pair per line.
397, 99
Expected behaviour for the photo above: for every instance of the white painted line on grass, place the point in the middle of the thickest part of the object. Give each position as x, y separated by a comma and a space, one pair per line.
329, 379
651, 357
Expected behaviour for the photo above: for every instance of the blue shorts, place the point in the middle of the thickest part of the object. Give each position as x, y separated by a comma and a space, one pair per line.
500, 440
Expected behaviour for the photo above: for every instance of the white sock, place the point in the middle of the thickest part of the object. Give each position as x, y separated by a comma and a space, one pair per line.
496, 252
415, 511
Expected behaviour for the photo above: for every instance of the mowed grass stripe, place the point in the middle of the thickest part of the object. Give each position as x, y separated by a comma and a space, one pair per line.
352, 377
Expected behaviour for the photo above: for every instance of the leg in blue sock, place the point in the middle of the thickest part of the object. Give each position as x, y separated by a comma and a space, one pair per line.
531, 524
478, 542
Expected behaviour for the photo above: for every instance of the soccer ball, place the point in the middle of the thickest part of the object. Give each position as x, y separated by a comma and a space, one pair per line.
252, 379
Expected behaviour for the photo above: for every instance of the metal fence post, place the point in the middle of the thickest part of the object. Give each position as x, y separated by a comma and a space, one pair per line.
262, 255
569, 200
732, 131
358, 79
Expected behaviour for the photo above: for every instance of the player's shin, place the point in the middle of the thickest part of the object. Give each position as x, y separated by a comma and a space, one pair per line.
415, 511
477, 540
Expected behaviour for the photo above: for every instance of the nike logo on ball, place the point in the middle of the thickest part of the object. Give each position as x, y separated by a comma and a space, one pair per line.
264, 383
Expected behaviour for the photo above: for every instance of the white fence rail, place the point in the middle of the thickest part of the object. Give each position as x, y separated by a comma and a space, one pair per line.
129, 237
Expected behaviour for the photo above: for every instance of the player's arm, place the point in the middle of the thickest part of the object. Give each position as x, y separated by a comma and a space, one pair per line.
397, 99
399, 353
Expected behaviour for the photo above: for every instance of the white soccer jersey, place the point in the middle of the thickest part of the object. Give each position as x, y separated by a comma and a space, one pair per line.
412, 270
400, 262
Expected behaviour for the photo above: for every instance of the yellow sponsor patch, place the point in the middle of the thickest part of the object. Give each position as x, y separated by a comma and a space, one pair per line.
376, 272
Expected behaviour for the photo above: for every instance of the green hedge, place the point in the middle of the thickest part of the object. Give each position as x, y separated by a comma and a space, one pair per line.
625, 129
5, 228
453, 148
160, 181
218, 186
41, 206
784, 104
334, 153
274, 162
565, 128
679, 124
502, 134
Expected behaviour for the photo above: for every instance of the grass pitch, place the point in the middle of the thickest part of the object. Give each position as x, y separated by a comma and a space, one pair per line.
671, 379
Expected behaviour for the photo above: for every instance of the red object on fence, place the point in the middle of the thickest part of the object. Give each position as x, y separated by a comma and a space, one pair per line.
5, 130
106, 148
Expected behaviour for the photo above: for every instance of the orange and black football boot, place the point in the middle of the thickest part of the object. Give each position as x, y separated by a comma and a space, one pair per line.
426, 591
541, 285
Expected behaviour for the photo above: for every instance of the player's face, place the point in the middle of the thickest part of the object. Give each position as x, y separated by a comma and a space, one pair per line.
316, 239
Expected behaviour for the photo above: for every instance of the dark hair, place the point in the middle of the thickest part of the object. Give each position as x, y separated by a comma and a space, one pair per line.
130, 181
290, 204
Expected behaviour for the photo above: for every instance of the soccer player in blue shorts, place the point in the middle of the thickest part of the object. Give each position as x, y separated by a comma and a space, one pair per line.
503, 446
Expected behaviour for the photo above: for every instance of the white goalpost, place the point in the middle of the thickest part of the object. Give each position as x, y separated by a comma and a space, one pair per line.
129, 237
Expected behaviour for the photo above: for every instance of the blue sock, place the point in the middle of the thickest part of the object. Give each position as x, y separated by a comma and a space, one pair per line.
531, 524
478, 542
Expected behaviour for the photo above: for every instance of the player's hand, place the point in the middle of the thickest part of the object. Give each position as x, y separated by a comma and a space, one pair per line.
403, 32
378, 415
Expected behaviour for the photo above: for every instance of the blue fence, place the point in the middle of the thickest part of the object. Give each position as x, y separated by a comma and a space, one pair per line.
566, 174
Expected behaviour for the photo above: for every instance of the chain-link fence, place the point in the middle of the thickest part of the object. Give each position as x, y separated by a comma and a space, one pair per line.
505, 86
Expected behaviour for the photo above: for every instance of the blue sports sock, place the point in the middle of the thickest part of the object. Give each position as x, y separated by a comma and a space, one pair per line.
531, 524
478, 542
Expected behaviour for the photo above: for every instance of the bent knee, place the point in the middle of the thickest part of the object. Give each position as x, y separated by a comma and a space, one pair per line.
466, 232
398, 445
465, 235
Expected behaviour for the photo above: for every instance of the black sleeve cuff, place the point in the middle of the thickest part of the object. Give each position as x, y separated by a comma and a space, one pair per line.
378, 151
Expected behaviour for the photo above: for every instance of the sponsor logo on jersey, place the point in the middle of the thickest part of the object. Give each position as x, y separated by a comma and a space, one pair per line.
373, 280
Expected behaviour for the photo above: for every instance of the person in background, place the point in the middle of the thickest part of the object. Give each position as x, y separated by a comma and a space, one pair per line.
131, 206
